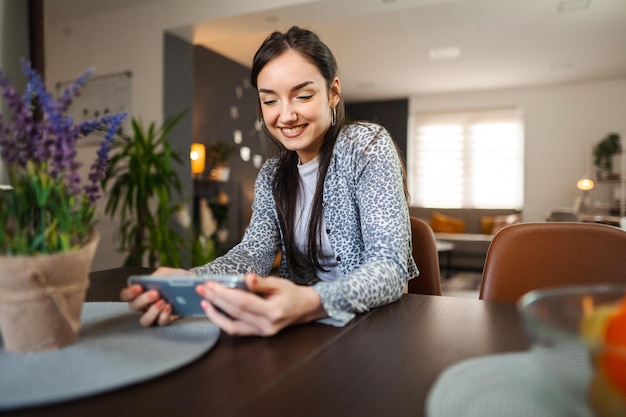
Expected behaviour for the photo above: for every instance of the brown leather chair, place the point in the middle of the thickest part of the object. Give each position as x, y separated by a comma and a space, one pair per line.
427, 260
527, 256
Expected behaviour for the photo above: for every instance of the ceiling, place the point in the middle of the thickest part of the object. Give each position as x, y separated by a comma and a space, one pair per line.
382, 46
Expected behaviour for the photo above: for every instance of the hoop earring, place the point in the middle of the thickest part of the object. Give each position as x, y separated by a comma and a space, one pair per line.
333, 118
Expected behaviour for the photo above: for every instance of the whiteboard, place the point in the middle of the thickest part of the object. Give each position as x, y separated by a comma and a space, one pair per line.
101, 95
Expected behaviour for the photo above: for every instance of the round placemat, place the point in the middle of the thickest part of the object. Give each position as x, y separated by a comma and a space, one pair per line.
512, 385
112, 351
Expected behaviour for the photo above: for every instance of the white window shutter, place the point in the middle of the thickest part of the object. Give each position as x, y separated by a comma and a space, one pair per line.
467, 159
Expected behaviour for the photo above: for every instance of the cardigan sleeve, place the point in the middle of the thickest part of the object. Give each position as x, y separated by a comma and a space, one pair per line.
372, 235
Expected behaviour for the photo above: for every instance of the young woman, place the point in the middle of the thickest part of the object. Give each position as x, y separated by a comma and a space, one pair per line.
333, 201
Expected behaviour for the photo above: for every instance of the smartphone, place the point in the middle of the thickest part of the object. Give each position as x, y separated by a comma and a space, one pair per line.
179, 290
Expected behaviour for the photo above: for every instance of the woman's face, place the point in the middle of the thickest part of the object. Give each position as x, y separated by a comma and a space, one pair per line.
295, 103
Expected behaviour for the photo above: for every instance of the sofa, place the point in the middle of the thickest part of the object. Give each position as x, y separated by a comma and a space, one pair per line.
469, 230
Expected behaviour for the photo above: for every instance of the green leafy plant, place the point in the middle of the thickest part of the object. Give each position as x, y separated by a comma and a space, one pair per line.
212, 231
141, 182
218, 153
604, 150
48, 208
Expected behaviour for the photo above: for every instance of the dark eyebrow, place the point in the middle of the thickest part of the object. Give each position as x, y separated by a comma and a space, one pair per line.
294, 88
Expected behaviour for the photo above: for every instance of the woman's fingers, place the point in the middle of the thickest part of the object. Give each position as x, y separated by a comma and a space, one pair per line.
156, 310
265, 286
144, 300
166, 317
227, 324
236, 302
158, 313
130, 293
246, 312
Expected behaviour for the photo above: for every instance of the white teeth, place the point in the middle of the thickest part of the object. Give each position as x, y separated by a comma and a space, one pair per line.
292, 130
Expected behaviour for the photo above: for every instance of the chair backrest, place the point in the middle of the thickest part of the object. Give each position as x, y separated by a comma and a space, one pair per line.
427, 259
527, 256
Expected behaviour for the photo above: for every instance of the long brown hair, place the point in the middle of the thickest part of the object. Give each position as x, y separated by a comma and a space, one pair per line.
286, 184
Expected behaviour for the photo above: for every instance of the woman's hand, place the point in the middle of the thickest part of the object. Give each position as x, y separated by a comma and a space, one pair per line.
155, 309
270, 305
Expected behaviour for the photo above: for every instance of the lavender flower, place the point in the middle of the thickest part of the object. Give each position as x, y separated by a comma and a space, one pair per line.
98, 169
40, 153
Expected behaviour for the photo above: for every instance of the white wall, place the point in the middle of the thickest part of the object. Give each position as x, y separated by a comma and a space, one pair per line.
561, 125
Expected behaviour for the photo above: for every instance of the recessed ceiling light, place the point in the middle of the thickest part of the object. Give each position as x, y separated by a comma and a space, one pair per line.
449, 52
573, 5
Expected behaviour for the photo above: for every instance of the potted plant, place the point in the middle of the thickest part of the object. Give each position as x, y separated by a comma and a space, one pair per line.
212, 231
603, 154
141, 182
218, 154
47, 217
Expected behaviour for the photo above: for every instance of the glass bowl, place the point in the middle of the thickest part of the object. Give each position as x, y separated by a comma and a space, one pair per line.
566, 327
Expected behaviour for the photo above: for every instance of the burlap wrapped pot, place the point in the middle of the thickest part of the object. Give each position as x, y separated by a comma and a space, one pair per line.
41, 298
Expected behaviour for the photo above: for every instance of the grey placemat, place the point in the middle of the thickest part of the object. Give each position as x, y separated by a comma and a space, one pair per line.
113, 351
512, 385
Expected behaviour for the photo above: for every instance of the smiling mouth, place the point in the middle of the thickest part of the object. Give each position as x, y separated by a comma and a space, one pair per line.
292, 131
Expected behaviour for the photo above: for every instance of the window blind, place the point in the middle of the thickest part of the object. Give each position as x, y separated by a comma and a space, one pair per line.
467, 159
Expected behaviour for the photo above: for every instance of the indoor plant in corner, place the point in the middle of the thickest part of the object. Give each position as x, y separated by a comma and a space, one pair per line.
141, 182
603, 153
47, 217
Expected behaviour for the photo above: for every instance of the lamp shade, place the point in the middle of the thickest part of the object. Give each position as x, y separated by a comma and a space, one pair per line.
585, 184
198, 158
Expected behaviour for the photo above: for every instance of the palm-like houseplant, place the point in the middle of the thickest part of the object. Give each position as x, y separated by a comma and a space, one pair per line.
141, 182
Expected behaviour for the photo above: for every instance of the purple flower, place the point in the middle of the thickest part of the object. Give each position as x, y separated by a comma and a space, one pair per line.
73, 90
50, 210
98, 169
50, 141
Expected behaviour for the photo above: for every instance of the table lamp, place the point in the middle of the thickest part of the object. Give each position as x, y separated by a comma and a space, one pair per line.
584, 185
198, 157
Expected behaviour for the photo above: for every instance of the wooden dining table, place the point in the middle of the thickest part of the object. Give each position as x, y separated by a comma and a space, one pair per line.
383, 363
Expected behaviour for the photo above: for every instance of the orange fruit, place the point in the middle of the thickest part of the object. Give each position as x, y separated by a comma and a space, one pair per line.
604, 399
613, 357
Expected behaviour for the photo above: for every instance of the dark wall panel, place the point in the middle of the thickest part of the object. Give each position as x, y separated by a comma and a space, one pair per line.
392, 114
225, 103
177, 98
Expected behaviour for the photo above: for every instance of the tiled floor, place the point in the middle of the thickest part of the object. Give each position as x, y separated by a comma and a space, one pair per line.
462, 284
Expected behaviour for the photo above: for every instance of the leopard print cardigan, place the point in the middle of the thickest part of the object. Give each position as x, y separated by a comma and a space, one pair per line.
365, 215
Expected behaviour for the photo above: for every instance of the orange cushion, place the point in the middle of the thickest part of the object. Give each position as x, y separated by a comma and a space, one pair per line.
440, 223
486, 224
501, 222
